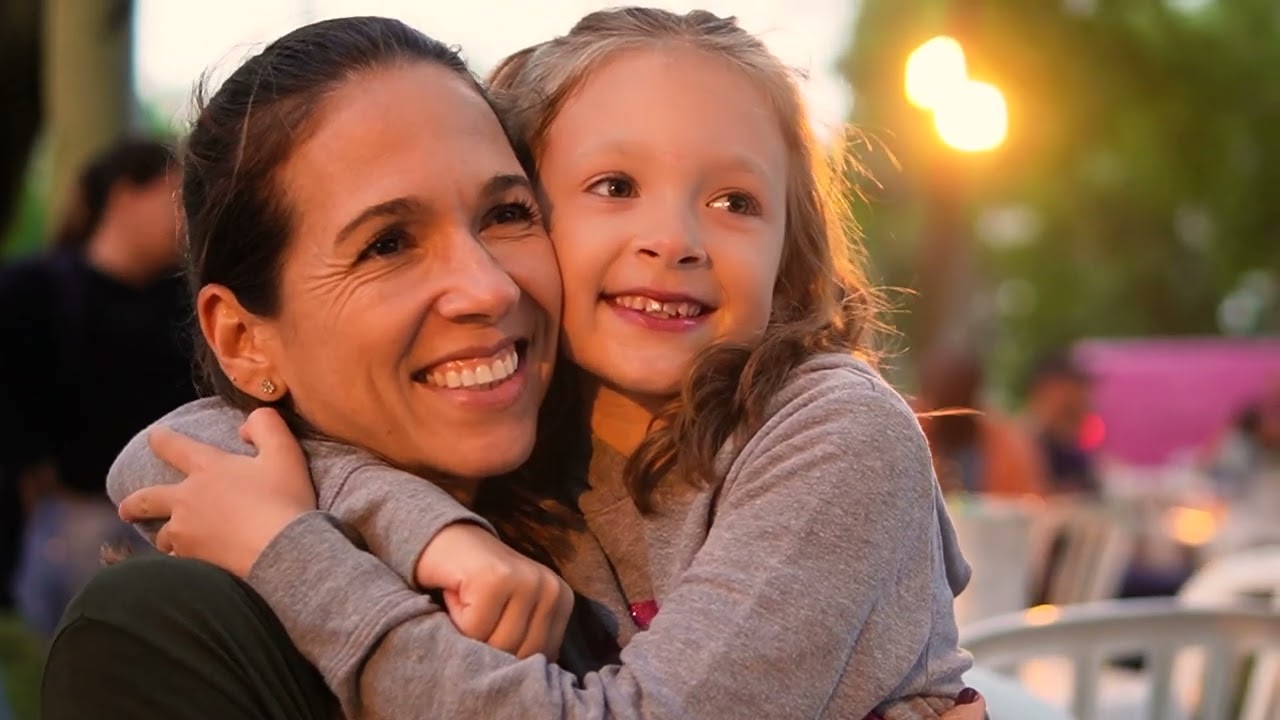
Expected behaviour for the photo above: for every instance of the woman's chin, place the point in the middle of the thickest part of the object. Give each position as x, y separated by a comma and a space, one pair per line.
496, 457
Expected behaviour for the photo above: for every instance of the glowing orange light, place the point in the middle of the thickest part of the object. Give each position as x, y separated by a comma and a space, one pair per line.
1042, 614
973, 117
970, 116
933, 70
1190, 526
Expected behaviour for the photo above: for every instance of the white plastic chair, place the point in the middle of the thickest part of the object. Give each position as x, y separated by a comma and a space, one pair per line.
1241, 576
1095, 542
1249, 576
1088, 635
995, 536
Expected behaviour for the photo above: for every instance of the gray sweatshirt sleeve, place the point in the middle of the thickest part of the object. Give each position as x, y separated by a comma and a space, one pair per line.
822, 562
394, 513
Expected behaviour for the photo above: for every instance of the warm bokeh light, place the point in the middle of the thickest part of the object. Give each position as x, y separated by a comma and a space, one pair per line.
970, 116
1191, 526
973, 117
934, 70
1042, 614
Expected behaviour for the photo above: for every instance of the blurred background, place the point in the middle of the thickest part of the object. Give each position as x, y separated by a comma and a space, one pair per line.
1073, 203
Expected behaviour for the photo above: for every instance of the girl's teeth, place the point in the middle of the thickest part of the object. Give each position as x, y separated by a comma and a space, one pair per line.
661, 309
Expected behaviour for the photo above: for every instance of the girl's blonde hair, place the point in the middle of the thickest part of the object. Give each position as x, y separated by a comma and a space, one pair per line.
822, 300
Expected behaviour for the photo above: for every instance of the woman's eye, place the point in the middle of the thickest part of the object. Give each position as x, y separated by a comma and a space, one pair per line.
516, 212
388, 243
614, 187
736, 203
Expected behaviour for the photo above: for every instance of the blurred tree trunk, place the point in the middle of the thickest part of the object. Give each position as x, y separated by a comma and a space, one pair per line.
19, 96
945, 264
88, 89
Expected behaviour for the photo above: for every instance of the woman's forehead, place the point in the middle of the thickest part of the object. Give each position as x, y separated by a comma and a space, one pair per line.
419, 130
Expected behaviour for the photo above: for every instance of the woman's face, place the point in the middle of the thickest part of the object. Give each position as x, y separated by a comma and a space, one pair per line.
420, 294
666, 176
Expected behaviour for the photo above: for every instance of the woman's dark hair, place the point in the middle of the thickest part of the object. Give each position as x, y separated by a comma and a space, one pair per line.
136, 161
238, 220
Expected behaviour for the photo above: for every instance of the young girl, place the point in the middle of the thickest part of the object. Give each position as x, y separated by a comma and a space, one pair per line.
763, 500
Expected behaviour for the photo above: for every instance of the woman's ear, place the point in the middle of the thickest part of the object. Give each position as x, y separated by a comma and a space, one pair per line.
242, 342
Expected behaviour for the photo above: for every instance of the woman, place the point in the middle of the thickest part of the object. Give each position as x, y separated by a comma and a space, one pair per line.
289, 217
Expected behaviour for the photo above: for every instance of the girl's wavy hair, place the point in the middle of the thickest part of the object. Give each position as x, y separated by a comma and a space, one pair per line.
822, 300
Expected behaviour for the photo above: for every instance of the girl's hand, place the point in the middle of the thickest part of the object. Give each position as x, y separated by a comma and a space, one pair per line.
494, 594
229, 506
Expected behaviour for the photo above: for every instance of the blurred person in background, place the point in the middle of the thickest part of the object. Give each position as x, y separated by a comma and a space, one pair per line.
1058, 404
1244, 465
93, 353
975, 449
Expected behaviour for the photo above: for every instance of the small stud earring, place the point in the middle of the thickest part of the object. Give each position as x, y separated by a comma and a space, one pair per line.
268, 387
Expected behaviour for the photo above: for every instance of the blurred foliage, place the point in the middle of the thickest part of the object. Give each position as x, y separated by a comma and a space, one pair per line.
27, 229
1135, 194
21, 663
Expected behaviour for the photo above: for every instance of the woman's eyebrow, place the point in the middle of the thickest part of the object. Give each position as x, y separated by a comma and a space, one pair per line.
398, 208
502, 182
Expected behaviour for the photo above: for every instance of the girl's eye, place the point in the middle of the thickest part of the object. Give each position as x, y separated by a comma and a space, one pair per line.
737, 203
386, 243
614, 187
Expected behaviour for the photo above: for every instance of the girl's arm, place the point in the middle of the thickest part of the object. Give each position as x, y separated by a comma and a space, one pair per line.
492, 593
394, 513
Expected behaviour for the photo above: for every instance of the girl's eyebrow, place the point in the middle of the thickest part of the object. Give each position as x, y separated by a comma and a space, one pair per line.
733, 160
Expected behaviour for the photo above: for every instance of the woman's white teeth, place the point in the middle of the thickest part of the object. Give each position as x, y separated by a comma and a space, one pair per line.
476, 373
649, 306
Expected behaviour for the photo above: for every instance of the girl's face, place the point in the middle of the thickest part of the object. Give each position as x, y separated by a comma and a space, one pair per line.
666, 179
419, 292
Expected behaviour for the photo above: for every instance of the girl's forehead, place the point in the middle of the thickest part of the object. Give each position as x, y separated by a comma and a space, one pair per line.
641, 100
